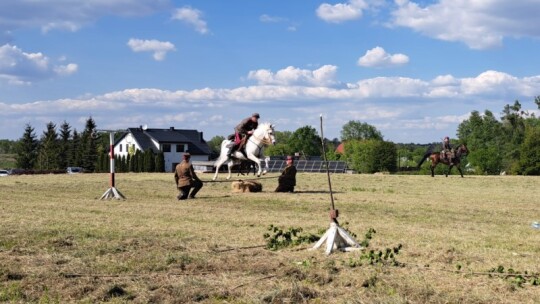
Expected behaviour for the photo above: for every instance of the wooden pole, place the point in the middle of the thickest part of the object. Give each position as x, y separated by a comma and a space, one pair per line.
112, 192
335, 237
111, 148
333, 211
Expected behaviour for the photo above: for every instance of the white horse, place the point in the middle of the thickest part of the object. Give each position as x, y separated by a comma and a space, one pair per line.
261, 137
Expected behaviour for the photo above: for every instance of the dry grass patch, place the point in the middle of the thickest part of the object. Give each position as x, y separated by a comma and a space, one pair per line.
60, 243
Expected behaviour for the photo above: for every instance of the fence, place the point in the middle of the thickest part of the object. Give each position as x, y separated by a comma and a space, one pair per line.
315, 166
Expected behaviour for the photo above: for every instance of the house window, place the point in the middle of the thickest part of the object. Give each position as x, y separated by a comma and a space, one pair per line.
166, 147
120, 148
180, 148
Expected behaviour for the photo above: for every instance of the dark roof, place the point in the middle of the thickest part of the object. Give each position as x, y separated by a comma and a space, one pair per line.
196, 144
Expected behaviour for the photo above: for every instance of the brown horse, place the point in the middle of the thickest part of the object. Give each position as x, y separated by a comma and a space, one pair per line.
436, 159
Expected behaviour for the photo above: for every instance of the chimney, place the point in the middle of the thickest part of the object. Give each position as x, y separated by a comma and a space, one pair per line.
201, 137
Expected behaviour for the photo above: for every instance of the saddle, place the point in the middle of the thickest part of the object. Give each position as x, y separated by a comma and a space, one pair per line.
447, 154
238, 147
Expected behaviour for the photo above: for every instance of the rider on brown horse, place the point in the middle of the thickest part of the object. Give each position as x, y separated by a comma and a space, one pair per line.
447, 150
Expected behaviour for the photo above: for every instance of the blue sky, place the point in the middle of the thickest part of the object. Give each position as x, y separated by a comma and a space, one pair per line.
413, 69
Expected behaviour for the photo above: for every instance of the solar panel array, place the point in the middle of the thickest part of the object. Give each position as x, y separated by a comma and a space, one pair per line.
276, 165
309, 166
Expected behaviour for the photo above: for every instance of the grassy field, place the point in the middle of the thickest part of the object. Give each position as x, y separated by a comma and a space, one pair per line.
59, 243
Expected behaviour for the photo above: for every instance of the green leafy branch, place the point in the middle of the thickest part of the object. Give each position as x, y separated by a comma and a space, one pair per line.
367, 237
279, 238
517, 278
377, 257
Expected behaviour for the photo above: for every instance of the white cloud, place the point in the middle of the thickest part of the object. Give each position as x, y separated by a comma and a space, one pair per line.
341, 12
192, 17
290, 26
480, 24
19, 67
378, 57
69, 15
400, 105
378, 88
366, 89
489, 82
271, 19
66, 69
61, 25
384, 87
324, 76
444, 80
158, 48
372, 112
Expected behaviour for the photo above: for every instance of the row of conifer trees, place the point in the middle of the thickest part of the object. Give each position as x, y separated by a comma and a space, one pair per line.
60, 148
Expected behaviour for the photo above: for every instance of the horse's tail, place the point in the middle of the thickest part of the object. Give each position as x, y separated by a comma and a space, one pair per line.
426, 155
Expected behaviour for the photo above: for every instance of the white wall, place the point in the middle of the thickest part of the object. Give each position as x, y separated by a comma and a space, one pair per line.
171, 158
127, 140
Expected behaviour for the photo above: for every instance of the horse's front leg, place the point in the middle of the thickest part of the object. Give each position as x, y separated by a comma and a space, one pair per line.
215, 175
432, 170
218, 164
460, 172
449, 169
229, 168
266, 167
257, 161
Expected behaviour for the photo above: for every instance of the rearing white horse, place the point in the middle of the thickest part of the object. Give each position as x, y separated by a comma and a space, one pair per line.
261, 137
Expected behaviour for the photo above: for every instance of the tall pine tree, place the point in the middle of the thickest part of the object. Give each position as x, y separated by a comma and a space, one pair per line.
160, 162
64, 146
88, 146
27, 149
75, 155
48, 157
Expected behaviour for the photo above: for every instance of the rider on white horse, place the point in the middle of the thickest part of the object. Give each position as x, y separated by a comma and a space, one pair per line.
243, 130
254, 150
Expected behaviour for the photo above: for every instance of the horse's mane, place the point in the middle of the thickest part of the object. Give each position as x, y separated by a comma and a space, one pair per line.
264, 125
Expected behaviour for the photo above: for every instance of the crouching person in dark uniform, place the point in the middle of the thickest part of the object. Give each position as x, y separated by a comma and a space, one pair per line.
287, 179
185, 178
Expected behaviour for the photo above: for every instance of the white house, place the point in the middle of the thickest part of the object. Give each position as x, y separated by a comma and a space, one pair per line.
172, 142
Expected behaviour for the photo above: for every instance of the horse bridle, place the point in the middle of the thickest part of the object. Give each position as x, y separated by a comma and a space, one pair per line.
262, 140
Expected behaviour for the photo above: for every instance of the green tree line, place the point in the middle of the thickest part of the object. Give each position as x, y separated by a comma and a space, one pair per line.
59, 148
510, 143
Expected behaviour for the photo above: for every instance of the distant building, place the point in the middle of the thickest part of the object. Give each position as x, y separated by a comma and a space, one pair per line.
172, 142
340, 148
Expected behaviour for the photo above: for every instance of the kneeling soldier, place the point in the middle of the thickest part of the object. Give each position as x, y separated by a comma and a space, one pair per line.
287, 179
185, 178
